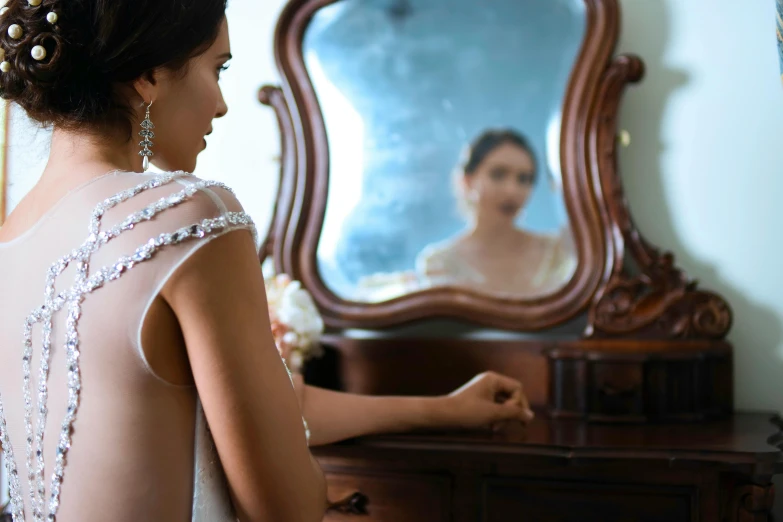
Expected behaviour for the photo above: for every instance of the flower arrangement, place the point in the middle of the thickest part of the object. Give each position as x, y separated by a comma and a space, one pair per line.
296, 324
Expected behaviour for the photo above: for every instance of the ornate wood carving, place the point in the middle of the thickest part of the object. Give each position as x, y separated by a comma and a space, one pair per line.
645, 294
751, 503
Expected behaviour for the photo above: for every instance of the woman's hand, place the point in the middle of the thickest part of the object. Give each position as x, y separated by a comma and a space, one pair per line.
489, 400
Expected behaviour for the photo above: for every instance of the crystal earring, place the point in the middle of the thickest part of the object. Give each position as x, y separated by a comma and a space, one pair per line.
147, 135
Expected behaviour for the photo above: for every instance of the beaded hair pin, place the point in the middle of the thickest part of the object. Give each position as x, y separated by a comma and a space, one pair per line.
16, 32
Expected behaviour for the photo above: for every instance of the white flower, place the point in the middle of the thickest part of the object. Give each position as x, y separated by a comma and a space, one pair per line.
297, 310
292, 307
291, 339
275, 287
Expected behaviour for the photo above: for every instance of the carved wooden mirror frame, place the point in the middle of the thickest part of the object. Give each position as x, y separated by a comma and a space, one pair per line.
626, 286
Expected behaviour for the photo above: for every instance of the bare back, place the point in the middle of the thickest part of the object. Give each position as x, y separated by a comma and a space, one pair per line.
132, 448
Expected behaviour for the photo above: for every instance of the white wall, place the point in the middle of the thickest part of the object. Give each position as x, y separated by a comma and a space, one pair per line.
700, 172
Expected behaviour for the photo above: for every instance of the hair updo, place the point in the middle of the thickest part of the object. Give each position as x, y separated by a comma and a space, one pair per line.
92, 48
489, 140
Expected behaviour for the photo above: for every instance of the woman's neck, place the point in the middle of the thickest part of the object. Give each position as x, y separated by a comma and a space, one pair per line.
75, 158
495, 233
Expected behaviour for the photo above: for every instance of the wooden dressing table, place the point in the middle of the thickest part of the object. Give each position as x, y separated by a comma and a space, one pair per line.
627, 364
561, 470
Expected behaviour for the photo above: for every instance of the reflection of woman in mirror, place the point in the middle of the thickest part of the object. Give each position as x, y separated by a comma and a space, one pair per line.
494, 184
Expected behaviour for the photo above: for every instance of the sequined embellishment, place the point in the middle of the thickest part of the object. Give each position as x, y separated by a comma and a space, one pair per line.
84, 284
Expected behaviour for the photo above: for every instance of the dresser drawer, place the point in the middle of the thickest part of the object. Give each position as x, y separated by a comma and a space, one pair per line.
541, 501
388, 497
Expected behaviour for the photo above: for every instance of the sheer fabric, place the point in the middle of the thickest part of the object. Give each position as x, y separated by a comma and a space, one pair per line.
140, 447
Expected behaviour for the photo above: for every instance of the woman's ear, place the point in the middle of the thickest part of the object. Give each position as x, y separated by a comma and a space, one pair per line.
147, 86
467, 186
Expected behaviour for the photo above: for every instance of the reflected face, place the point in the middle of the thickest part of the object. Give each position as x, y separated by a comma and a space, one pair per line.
501, 185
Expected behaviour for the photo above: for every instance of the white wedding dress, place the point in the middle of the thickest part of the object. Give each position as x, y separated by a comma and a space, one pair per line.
89, 431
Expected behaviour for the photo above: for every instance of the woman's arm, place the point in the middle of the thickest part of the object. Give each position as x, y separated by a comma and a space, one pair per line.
219, 299
487, 400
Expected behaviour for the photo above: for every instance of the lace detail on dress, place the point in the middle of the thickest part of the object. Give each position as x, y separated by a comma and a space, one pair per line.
84, 285
443, 265
211, 501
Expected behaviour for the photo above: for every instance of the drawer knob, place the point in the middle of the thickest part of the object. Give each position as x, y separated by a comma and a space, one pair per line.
353, 504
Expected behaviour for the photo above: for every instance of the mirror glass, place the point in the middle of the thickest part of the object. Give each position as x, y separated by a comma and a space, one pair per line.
443, 122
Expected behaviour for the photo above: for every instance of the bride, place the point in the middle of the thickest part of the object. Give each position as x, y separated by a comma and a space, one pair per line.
138, 375
494, 185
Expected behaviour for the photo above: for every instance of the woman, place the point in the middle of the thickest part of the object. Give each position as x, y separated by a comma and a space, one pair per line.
494, 185
133, 308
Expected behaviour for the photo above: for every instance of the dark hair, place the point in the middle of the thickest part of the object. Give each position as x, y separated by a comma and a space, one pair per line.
489, 140
94, 47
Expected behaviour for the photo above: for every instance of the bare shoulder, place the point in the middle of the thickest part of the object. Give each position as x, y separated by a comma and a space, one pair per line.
445, 249
224, 258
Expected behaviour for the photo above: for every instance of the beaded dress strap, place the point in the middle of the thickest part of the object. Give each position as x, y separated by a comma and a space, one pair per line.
85, 284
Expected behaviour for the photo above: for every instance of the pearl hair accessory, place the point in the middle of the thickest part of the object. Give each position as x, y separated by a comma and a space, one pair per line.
15, 31
38, 53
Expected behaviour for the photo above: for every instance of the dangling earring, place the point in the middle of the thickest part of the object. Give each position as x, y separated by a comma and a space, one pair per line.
147, 134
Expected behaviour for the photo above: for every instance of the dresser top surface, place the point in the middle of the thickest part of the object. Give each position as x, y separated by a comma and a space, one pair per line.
744, 438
